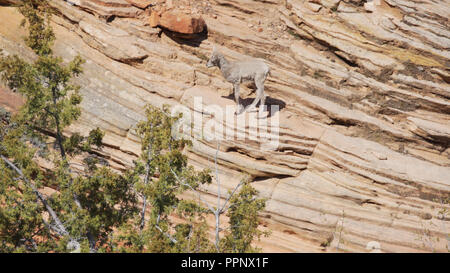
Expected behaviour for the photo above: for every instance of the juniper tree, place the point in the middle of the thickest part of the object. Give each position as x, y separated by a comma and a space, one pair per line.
84, 208
242, 206
160, 165
161, 157
243, 221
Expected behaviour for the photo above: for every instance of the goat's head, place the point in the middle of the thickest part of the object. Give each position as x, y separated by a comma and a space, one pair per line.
214, 59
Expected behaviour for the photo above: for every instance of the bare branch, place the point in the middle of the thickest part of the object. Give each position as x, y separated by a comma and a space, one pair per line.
146, 178
234, 204
194, 190
165, 233
222, 210
218, 210
58, 227
217, 174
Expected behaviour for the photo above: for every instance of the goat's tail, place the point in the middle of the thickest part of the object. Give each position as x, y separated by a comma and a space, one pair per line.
269, 72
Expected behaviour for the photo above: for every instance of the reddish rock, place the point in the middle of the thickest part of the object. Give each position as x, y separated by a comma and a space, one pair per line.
154, 19
182, 23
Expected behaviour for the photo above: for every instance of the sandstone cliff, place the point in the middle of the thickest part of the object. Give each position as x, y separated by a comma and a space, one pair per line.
363, 91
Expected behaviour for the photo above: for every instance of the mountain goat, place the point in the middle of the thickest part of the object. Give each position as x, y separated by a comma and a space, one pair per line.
255, 70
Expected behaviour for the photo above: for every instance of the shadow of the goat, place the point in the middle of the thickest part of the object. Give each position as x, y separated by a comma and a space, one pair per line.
269, 103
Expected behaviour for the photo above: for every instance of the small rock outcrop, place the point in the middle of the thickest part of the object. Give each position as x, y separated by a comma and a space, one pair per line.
177, 21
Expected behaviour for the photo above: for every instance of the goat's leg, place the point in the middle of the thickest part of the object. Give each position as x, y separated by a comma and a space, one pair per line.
259, 94
262, 105
240, 108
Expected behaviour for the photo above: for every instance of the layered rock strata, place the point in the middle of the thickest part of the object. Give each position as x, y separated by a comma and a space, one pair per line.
362, 89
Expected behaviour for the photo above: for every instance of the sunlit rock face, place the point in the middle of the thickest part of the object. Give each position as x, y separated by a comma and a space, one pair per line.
361, 90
